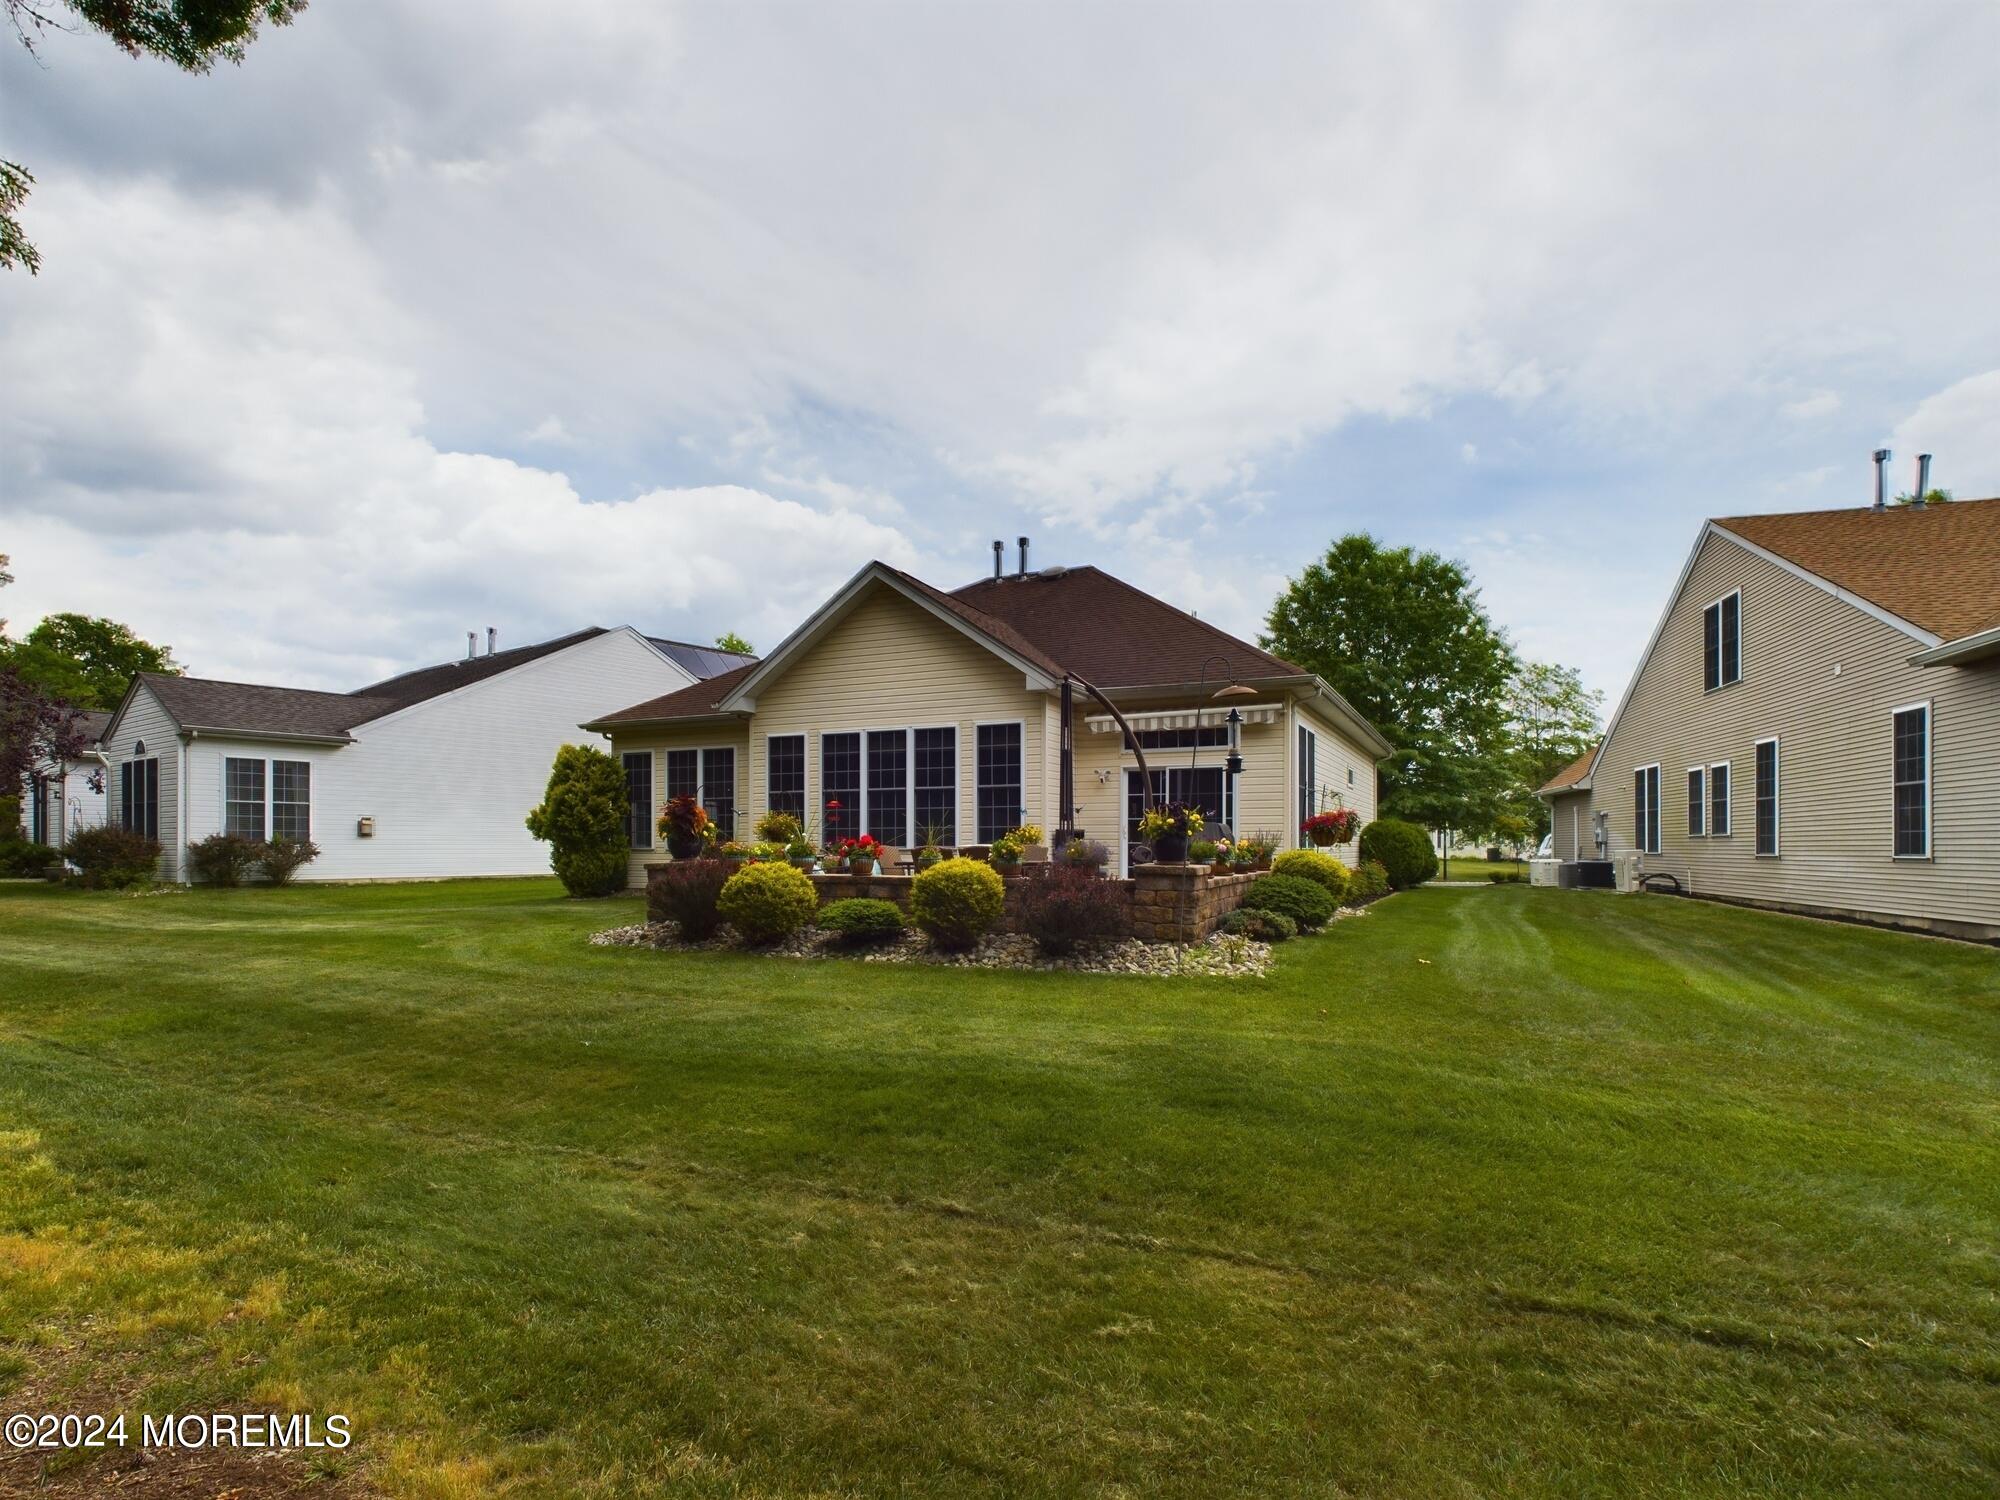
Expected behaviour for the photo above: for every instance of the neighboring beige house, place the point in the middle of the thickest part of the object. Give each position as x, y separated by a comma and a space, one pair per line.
1815, 724
910, 706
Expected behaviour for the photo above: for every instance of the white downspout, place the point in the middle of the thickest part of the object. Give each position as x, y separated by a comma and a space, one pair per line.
181, 816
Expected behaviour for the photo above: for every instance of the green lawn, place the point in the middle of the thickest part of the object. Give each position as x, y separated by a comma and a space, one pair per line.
1495, 1192
1478, 867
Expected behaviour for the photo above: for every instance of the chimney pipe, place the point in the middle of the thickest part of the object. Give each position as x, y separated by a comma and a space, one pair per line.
1024, 556
492, 639
1881, 478
999, 558
471, 644
1923, 480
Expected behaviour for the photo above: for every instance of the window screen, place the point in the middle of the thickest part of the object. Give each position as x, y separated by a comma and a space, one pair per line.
1913, 782
291, 800
243, 797
1767, 797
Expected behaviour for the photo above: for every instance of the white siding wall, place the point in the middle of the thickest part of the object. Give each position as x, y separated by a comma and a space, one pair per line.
146, 720
1835, 845
449, 782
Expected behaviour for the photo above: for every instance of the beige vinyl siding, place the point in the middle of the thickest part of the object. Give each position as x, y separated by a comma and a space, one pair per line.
1570, 816
1823, 677
889, 664
146, 718
716, 736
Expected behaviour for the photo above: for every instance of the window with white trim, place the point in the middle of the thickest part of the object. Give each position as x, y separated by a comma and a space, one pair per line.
1308, 781
1697, 803
1646, 809
639, 799
1765, 775
889, 786
1911, 746
840, 785
1722, 641
997, 785
139, 795
785, 775
683, 773
291, 800
934, 784
243, 797
1719, 807
718, 789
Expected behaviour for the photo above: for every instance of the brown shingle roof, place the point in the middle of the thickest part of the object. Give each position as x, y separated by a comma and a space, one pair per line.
430, 682
256, 708
1105, 630
1937, 567
690, 702
1570, 774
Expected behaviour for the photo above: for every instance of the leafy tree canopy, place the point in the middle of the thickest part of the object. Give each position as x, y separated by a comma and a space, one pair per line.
85, 661
1552, 718
191, 34
1402, 636
729, 640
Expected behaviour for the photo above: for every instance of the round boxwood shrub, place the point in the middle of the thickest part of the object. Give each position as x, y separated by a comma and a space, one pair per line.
1403, 849
224, 858
860, 921
1321, 869
767, 901
1262, 926
1370, 882
957, 902
1305, 902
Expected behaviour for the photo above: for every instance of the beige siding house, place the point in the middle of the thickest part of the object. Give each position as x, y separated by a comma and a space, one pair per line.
915, 709
1815, 724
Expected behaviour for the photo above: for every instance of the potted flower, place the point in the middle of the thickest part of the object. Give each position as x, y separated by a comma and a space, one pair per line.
779, 827
1005, 855
800, 853
1253, 853
736, 851
1034, 843
765, 852
686, 826
1085, 854
931, 839
1336, 826
859, 854
1167, 827
1201, 851
926, 856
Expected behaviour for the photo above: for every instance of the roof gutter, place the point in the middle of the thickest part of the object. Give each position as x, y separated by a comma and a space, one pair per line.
191, 730
612, 726
1966, 649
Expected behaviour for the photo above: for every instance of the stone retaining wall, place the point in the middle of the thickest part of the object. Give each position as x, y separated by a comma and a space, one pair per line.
1169, 903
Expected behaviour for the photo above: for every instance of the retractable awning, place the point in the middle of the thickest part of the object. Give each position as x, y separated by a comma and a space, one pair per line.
1184, 718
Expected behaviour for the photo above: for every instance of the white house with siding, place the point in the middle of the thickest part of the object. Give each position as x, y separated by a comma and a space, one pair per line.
1815, 724
425, 775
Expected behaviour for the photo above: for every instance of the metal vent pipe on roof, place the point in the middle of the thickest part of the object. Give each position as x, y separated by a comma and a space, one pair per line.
471, 644
492, 639
999, 558
1881, 478
1024, 556
1923, 480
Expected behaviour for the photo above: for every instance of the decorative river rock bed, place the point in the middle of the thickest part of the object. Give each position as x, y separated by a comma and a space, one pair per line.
1221, 955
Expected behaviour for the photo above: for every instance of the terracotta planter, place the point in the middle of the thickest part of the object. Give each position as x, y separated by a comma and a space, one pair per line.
1220, 867
1010, 871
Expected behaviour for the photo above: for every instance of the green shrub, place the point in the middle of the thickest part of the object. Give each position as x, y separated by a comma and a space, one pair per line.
860, 921
281, 859
582, 819
685, 893
1321, 869
1369, 882
1263, 926
1403, 849
1305, 902
767, 901
1068, 907
111, 857
24, 857
957, 902
224, 858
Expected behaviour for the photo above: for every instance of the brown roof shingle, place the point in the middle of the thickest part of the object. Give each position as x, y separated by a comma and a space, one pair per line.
256, 708
690, 702
1117, 636
1937, 566
1570, 774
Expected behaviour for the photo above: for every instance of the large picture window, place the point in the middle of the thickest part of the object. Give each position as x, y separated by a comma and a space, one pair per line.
785, 775
997, 789
139, 796
683, 773
291, 800
889, 786
1722, 642
243, 797
639, 799
1912, 773
840, 781
1646, 809
1719, 805
935, 780
1767, 797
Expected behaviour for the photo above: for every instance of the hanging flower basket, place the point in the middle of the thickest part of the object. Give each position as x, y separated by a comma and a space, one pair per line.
1326, 829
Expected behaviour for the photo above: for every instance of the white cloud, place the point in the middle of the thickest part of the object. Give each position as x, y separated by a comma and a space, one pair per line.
1960, 428
1808, 408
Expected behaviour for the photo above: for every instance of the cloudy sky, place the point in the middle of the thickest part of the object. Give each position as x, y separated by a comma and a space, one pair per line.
434, 316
